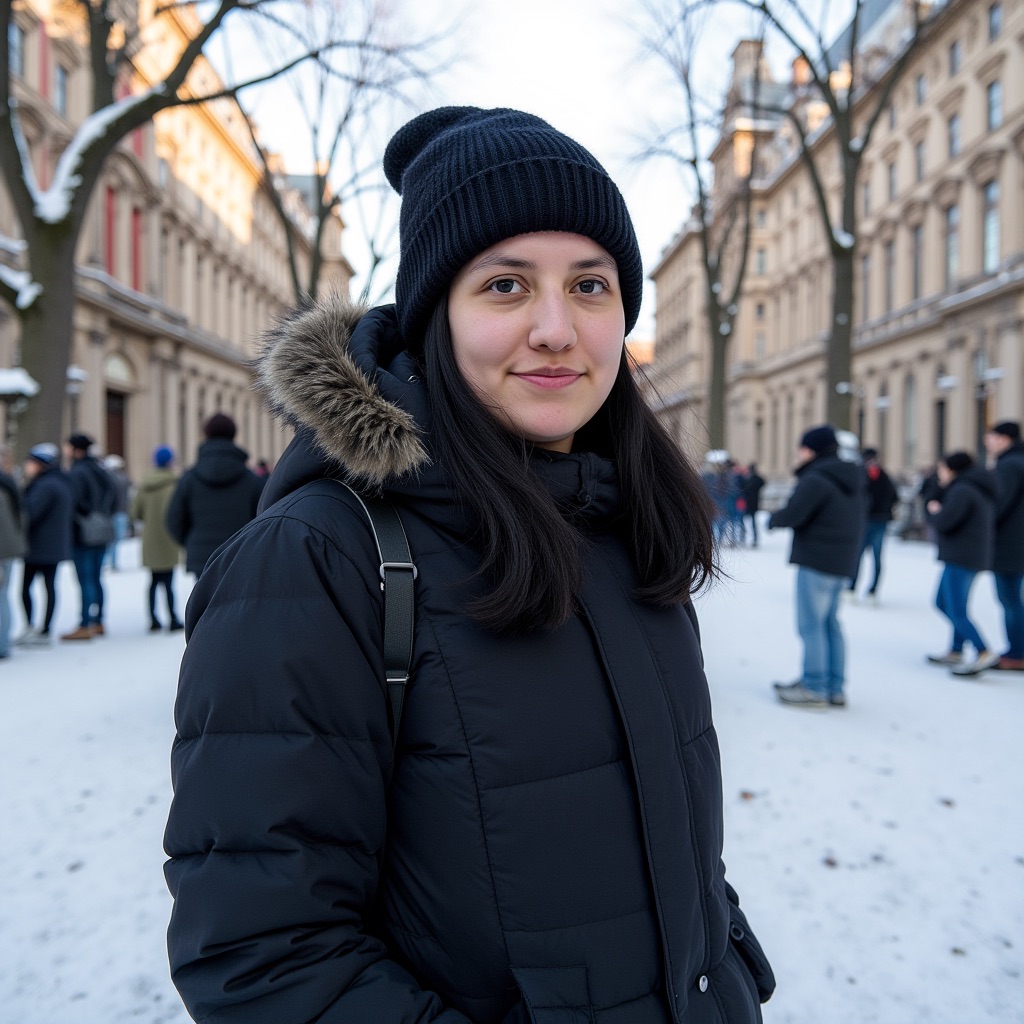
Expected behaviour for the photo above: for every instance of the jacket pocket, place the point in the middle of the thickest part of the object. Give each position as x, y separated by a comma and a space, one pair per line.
749, 949
555, 995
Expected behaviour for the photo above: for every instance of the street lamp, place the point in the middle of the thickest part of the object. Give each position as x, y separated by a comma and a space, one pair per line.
16, 388
76, 378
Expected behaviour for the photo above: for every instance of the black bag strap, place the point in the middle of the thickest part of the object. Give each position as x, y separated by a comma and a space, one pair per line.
397, 577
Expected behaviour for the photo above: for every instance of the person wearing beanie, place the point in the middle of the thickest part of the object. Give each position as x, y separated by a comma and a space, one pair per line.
964, 521
93, 529
548, 793
1004, 446
160, 553
881, 500
49, 507
826, 514
214, 498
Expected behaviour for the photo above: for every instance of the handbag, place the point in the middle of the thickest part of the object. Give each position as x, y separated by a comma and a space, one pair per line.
95, 529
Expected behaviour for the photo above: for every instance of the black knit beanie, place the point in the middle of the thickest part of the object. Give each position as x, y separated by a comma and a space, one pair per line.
470, 178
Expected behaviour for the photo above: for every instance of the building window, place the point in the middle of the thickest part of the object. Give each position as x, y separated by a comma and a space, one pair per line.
990, 228
892, 114
866, 194
952, 246
890, 275
955, 57
909, 421
761, 262
920, 89
60, 90
761, 218
759, 345
890, 172
994, 105
995, 20
919, 161
136, 249
16, 50
760, 311
109, 249
955, 135
916, 260
865, 287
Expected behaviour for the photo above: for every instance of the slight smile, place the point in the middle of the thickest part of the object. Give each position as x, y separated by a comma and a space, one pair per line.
556, 378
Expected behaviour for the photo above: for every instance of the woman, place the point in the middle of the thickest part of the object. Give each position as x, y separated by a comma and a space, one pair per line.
49, 504
160, 553
964, 523
543, 843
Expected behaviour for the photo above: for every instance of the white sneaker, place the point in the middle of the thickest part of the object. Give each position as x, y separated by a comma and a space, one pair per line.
32, 638
984, 660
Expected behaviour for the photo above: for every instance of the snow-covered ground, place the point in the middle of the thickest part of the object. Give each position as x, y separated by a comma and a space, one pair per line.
878, 850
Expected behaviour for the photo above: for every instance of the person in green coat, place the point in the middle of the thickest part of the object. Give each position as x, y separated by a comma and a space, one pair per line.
160, 553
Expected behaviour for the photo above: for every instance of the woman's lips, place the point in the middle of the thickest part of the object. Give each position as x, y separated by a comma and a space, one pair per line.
550, 381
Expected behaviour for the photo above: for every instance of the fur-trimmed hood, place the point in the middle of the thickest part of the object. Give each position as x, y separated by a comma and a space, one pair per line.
338, 373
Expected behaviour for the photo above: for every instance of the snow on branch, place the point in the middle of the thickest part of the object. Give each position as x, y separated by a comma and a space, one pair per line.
20, 281
54, 205
12, 246
844, 239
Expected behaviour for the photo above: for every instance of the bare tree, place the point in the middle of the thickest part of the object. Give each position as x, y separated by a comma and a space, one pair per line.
51, 219
723, 205
345, 103
855, 83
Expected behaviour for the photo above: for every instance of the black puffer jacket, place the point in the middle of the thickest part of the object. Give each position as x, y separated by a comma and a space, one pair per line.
50, 509
966, 525
1009, 548
545, 843
213, 500
826, 513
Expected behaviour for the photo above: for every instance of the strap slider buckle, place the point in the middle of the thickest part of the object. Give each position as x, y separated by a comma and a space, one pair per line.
398, 565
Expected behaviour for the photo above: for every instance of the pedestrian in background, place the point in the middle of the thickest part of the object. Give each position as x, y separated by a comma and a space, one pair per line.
49, 510
753, 484
541, 838
12, 544
94, 493
881, 500
1003, 443
114, 465
964, 522
215, 498
160, 553
826, 515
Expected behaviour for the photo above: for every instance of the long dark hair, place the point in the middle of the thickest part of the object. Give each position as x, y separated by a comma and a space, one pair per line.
532, 556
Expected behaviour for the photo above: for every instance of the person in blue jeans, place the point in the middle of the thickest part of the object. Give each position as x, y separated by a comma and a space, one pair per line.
826, 515
881, 498
1004, 444
964, 522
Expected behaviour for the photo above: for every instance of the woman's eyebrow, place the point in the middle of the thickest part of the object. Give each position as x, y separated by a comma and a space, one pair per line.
498, 259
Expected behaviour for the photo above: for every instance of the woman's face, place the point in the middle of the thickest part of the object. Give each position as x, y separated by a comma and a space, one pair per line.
538, 328
945, 474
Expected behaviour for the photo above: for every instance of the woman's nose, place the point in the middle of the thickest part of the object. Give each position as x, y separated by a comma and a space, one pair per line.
553, 326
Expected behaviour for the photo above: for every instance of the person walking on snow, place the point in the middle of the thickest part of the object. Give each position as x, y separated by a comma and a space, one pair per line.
826, 515
550, 800
12, 545
752, 486
1003, 443
881, 499
160, 553
964, 522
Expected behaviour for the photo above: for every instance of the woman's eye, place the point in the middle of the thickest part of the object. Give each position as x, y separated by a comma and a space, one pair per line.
591, 287
506, 286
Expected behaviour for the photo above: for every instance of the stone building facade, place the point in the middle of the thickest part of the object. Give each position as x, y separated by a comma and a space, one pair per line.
182, 262
938, 349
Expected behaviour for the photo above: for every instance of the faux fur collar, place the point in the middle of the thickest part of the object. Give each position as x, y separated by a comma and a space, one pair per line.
308, 376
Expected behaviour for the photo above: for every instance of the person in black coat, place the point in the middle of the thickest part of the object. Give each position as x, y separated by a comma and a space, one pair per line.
12, 544
538, 836
826, 514
881, 500
215, 498
49, 505
753, 484
1004, 444
964, 523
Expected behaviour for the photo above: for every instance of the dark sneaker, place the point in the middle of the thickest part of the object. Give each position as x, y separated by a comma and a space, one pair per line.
1005, 664
952, 658
175, 625
984, 660
155, 627
799, 696
837, 700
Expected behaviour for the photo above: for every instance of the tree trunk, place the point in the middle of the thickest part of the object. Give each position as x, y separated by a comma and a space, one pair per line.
838, 358
46, 332
716, 386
